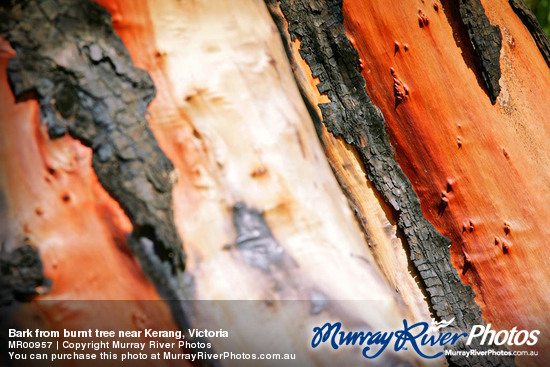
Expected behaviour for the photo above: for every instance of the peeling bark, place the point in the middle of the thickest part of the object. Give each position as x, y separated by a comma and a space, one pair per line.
486, 160
235, 145
239, 133
486, 41
231, 119
378, 223
86, 85
318, 25
530, 21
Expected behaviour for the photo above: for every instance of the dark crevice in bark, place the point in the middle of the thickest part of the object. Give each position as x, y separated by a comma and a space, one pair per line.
486, 41
71, 61
533, 25
352, 115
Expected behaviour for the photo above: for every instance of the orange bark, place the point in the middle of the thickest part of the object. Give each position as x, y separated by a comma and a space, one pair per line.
490, 162
55, 201
237, 131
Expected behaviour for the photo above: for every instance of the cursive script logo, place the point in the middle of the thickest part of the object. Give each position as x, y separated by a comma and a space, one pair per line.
415, 336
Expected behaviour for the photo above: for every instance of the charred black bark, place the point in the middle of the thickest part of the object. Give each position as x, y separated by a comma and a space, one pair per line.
71, 61
352, 115
486, 41
21, 275
533, 25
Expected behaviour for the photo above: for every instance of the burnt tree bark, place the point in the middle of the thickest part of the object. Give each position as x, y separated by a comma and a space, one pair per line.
390, 144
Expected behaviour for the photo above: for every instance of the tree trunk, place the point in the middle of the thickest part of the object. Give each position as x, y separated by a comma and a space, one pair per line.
314, 158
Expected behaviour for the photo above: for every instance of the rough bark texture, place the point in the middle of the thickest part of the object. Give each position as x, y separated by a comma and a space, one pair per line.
494, 157
486, 41
533, 25
383, 237
21, 275
231, 120
351, 114
86, 85
236, 137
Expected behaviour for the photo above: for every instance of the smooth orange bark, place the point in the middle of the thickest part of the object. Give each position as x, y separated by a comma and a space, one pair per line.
491, 162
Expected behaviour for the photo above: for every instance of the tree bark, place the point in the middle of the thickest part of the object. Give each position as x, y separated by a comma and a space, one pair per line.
309, 150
